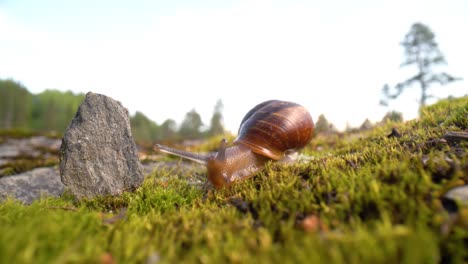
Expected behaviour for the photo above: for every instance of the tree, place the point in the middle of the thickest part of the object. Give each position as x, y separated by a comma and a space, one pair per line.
422, 51
15, 105
53, 110
168, 130
216, 124
323, 126
144, 129
367, 124
191, 125
392, 116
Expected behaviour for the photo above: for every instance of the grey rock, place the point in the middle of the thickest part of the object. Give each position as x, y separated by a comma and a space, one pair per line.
32, 185
45, 142
13, 148
459, 193
98, 155
30, 147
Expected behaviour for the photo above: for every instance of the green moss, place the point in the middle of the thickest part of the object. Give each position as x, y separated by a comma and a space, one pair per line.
26, 164
376, 199
25, 133
16, 133
448, 113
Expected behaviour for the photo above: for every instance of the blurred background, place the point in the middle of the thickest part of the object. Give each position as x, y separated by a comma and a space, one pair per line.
192, 69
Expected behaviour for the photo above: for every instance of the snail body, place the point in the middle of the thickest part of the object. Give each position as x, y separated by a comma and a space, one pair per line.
272, 130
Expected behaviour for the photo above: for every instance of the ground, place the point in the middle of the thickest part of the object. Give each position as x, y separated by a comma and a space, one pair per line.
373, 196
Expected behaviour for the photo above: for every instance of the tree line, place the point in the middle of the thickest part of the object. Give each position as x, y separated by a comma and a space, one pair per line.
48, 111
52, 110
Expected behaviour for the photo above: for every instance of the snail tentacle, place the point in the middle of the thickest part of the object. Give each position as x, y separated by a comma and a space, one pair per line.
221, 156
197, 157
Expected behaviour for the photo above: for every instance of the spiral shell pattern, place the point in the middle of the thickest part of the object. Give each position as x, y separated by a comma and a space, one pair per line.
274, 127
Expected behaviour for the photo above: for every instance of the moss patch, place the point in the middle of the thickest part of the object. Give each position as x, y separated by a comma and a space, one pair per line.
24, 133
360, 198
26, 164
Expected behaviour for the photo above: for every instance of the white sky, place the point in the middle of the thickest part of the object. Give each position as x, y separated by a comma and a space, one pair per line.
164, 58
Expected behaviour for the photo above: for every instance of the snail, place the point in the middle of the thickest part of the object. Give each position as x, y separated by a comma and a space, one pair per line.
272, 130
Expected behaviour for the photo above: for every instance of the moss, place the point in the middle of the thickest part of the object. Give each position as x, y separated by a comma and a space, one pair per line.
373, 199
16, 133
26, 164
25, 133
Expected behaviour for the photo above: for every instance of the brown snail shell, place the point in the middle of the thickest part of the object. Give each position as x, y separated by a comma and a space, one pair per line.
274, 127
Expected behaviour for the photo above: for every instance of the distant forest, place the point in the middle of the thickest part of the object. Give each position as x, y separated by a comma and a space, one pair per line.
53, 110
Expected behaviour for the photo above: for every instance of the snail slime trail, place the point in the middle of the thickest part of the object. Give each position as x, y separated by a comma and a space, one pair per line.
272, 130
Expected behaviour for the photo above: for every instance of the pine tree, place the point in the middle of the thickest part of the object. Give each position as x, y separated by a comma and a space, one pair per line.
422, 51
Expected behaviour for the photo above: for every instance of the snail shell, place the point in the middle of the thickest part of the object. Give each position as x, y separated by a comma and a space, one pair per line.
274, 127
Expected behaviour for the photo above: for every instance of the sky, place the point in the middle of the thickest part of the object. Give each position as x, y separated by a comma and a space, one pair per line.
165, 58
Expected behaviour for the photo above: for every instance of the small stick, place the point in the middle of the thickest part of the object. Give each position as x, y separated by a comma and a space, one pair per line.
455, 136
63, 208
